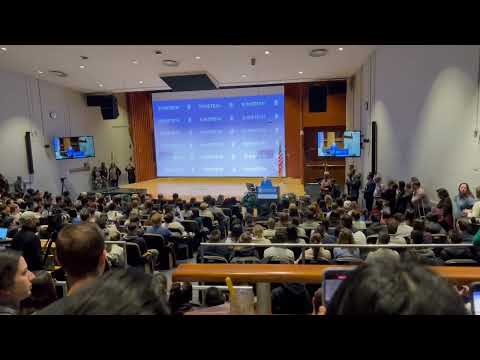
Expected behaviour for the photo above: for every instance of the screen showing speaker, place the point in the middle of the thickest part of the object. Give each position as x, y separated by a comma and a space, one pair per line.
338, 143
227, 132
77, 147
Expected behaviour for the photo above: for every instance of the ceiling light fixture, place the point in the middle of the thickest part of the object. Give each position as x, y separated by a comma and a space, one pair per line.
168, 62
340, 49
58, 73
135, 62
267, 52
3, 49
197, 57
244, 76
39, 72
82, 66
100, 84
140, 82
300, 72
318, 52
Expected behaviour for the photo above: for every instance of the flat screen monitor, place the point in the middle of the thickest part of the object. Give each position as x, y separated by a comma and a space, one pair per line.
3, 233
340, 144
75, 147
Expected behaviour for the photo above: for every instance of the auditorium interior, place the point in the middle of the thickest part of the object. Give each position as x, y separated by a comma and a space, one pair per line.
239, 179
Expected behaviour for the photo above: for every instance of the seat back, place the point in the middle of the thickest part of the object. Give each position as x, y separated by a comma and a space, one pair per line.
134, 256
207, 222
275, 260
372, 239
191, 226
154, 241
227, 212
245, 260
461, 262
210, 259
348, 260
318, 261
439, 239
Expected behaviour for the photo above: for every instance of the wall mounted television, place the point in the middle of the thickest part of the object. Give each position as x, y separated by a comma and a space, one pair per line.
74, 147
340, 144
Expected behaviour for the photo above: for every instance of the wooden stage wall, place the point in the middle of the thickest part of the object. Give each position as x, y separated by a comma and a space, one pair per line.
199, 187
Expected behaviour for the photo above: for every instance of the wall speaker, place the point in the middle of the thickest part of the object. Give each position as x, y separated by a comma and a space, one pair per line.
374, 147
317, 98
108, 104
28, 148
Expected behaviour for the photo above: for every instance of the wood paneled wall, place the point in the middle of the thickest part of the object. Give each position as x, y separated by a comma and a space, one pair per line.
293, 126
297, 118
140, 121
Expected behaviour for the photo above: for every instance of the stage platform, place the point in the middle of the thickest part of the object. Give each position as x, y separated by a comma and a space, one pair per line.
198, 187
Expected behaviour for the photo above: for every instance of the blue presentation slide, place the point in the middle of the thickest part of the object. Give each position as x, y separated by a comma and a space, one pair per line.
221, 136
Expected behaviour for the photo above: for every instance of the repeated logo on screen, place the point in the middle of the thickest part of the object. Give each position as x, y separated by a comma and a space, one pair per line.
230, 136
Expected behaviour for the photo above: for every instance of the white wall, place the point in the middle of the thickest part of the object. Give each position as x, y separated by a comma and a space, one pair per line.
25, 105
424, 100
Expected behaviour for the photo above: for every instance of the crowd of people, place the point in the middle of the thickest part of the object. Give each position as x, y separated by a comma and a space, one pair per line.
97, 276
103, 177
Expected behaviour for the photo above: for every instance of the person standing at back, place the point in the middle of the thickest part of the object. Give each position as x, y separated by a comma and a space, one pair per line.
368, 193
114, 175
27, 242
130, 169
463, 201
81, 252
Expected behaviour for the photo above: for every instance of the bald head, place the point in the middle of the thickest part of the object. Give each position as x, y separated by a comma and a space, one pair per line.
80, 250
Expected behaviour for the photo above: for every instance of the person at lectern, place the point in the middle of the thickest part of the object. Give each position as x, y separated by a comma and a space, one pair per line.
130, 169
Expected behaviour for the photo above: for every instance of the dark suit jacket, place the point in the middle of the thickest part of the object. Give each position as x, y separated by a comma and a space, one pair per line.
28, 243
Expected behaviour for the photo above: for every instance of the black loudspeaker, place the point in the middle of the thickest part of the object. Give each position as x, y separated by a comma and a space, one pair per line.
28, 148
337, 87
107, 103
317, 98
374, 147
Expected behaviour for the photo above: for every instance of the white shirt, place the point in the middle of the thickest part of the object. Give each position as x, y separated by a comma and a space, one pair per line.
277, 252
404, 230
268, 233
359, 225
359, 238
395, 239
382, 253
475, 210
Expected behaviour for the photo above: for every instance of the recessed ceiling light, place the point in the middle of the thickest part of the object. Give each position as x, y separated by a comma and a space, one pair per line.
267, 52
244, 76
135, 62
82, 66
197, 57
140, 82
340, 49
100, 84
300, 72
40, 72
3, 49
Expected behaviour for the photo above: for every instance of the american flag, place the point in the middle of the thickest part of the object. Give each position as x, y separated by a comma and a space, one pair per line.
280, 160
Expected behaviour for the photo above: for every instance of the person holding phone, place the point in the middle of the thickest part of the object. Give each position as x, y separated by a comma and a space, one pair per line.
385, 287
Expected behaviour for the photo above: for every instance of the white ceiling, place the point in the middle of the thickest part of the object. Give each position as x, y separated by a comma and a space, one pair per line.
112, 66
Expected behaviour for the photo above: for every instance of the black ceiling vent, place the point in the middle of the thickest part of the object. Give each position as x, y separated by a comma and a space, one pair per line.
189, 82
